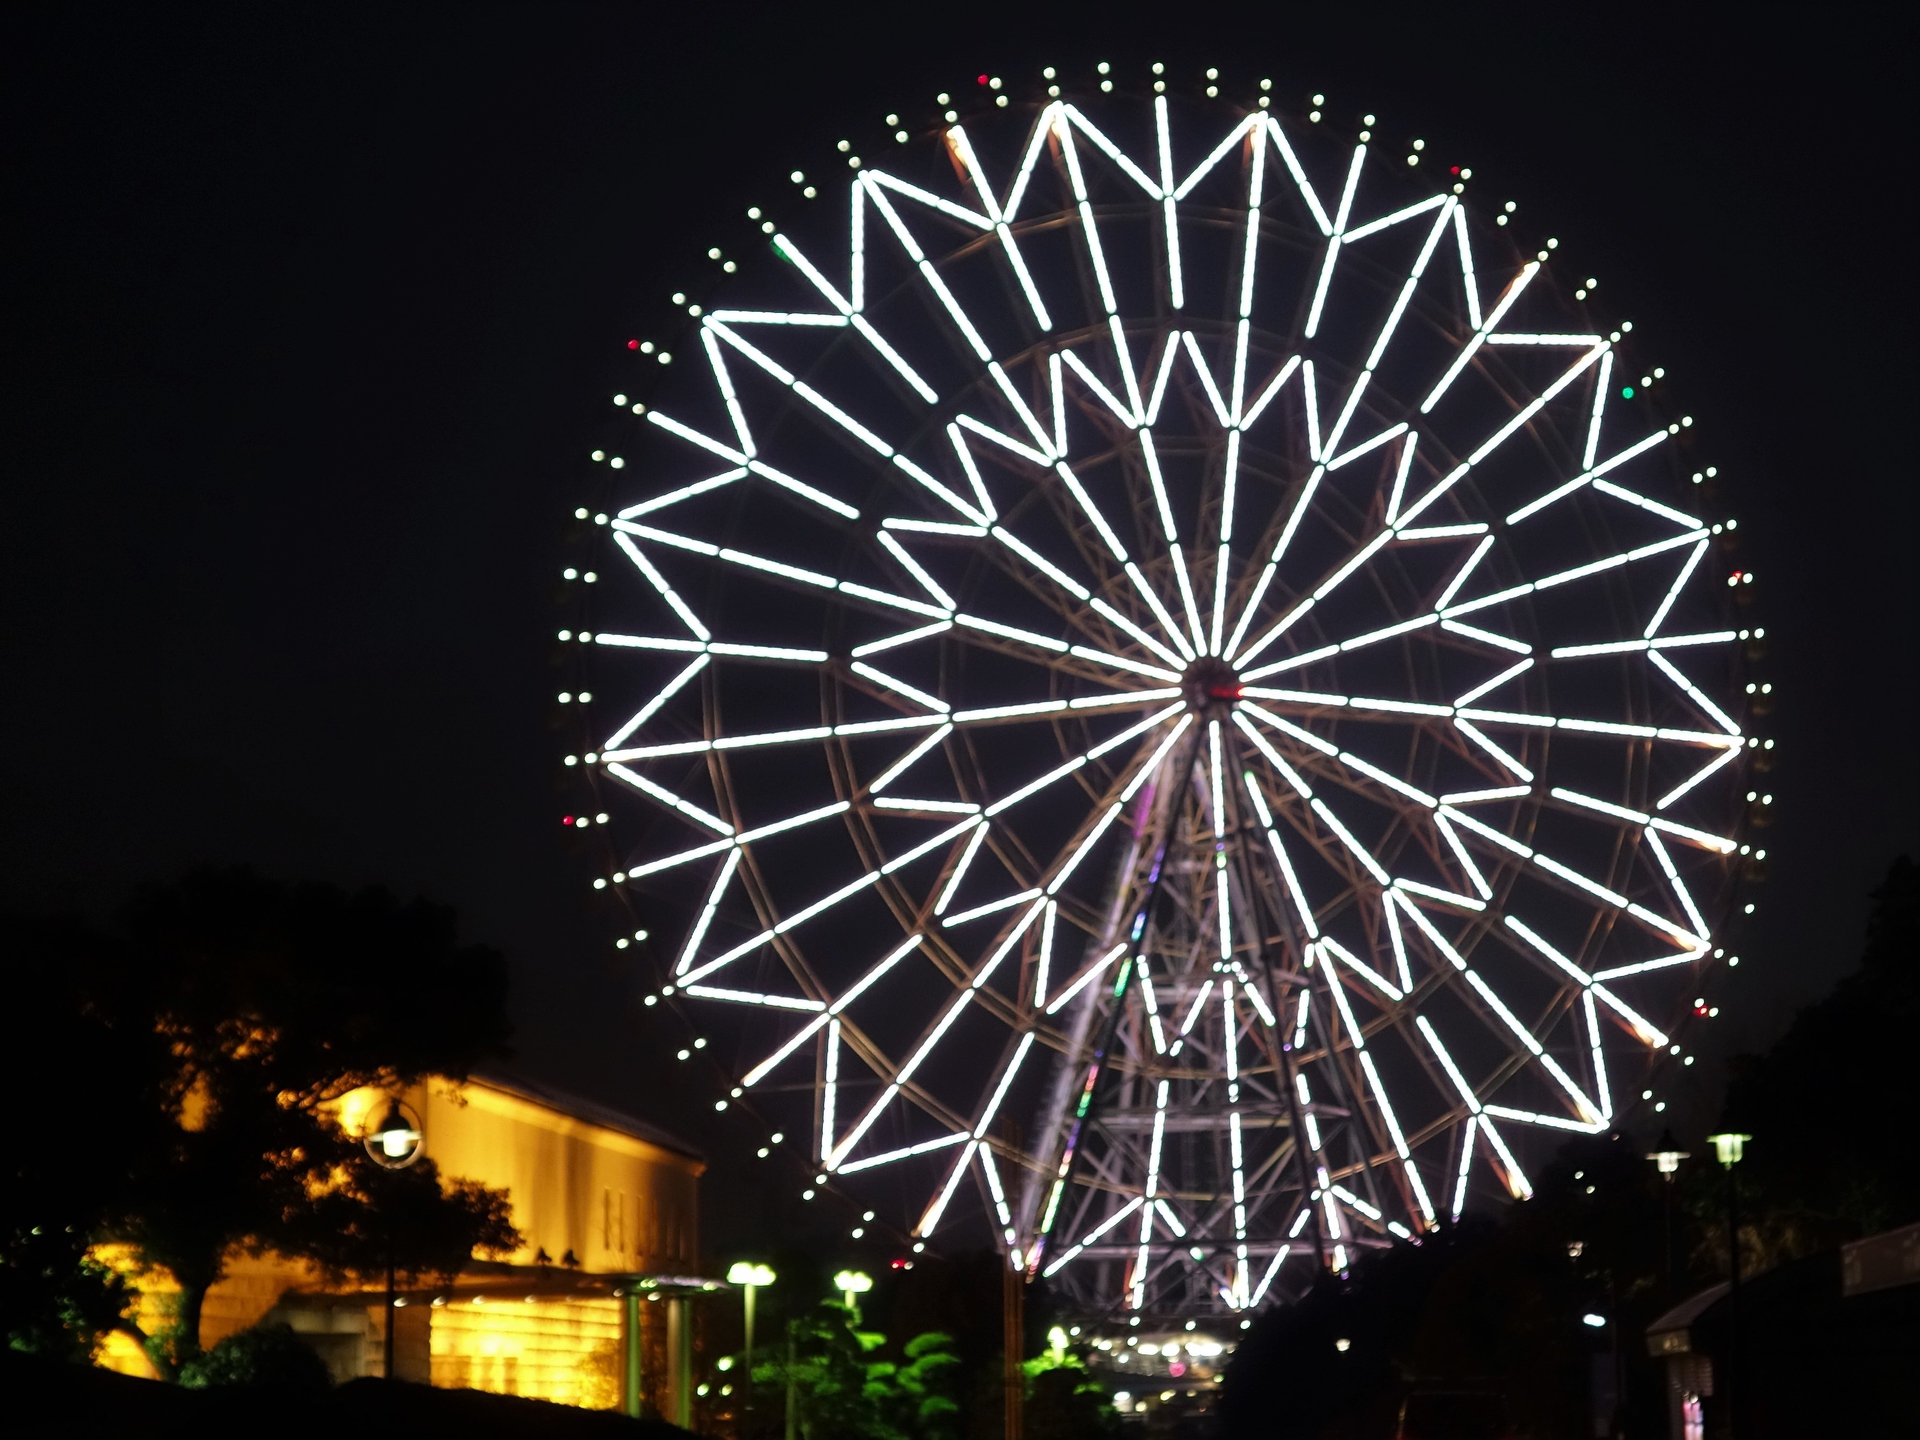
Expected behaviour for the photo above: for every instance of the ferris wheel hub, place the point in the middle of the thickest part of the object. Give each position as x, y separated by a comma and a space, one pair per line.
1210, 685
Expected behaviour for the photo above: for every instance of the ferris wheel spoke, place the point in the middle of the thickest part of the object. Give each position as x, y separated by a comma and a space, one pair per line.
1506, 432
1097, 387
1590, 1112
811, 734
666, 797
1056, 876
1593, 985
1444, 205
713, 647
1078, 118
1567, 878
1591, 1116
825, 903
777, 569
1483, 326
1350, 765
962, 325
830, 1012
949, 1014
963, 149
1392, 532
1334, 239
653, 706
1517, 1182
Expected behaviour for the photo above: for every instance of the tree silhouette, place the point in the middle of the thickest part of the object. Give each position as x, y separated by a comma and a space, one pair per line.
86, 1109
217, 1029
1831, 1083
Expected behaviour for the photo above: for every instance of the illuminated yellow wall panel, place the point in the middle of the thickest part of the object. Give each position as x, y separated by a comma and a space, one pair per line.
568, 1351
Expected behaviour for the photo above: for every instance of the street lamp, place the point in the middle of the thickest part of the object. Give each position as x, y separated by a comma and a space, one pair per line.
1667, 1155
1730, 1148
749, 1278
851, 1283
394, 1144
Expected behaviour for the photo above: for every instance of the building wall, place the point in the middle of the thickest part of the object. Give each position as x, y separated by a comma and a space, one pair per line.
620, 1203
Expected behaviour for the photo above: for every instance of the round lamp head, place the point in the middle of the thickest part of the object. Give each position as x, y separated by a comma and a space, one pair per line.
742, 1273
394, 1143
853, 1282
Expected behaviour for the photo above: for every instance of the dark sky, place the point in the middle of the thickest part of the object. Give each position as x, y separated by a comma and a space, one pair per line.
311, 312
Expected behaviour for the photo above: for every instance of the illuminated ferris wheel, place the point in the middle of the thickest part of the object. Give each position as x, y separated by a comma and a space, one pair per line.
1182, 696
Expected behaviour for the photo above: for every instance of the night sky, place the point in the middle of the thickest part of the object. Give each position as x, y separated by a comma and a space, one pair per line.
312, 312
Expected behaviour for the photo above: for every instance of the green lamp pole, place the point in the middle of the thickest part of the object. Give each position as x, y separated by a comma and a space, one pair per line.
851, 1283
749, 1278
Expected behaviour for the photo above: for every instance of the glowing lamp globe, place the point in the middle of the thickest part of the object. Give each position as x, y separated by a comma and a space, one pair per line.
395, 1143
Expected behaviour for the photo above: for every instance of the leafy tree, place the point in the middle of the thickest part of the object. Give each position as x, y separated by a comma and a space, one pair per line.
259, 1355
961, 1296
56, 1299
86, 1110
919, 1400
844, 1388
827, 1374
431, 1227
219, 1027
1064, 1401
1834, 1074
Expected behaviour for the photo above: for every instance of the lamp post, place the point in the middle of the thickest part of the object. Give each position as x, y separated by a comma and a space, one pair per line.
1667, 1155
792, 1381
749, 1278
851, 1283
393, 1144
1730, 1147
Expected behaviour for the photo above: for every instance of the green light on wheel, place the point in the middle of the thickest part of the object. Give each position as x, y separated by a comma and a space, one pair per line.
1626, 392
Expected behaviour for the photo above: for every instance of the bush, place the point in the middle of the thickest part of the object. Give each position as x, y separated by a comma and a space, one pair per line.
263, 1355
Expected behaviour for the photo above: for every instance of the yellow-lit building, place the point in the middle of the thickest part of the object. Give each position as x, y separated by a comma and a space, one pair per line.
591, 1310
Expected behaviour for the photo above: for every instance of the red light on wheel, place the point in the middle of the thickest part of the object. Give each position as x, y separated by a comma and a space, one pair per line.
633, 344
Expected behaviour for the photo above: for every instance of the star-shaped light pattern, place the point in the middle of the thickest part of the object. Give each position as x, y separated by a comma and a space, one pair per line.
1158, 667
